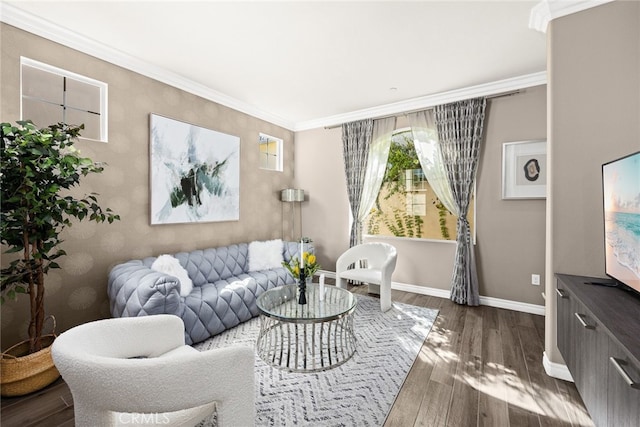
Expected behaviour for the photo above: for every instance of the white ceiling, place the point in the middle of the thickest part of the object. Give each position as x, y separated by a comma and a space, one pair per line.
303, 62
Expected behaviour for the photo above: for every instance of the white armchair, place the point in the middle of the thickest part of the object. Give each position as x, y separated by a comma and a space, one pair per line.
137, 370
381, 262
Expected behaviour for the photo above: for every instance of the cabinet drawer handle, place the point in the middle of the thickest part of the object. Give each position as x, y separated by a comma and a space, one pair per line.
617, 363
561, 293
583, 322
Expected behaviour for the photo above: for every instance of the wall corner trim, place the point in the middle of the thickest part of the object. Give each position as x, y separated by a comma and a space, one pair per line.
547, 10
556, 370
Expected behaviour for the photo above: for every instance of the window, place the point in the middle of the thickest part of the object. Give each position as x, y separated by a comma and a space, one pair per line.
406, 205
51, 95
270, 152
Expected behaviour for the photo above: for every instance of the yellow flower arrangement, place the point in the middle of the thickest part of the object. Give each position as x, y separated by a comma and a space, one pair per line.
310, 265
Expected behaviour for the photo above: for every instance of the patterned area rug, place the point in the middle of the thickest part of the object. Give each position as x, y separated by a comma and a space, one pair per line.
358, 393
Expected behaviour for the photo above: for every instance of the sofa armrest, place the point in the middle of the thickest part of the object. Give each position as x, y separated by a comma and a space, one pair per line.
136, 290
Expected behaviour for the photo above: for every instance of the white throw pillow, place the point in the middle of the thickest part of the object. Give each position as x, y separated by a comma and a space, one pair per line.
170, 265
265, 255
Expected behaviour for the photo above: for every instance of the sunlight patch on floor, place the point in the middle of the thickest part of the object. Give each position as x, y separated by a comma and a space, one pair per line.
504, 384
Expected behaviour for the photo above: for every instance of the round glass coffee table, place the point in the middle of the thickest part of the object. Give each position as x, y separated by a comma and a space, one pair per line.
306, 338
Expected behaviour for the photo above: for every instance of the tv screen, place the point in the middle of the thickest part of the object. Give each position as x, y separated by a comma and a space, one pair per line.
621, 187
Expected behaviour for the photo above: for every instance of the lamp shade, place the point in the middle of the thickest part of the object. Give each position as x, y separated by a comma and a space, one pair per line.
292, 195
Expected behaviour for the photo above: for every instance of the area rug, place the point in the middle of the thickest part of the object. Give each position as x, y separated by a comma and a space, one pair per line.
358, 393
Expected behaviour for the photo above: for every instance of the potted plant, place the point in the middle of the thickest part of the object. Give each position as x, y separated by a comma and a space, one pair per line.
37, 168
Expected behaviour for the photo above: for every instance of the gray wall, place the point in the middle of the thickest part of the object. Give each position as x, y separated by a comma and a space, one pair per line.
510, 234
510, 243
77, 293
594, 117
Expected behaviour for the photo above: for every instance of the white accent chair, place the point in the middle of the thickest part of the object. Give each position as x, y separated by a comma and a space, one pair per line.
138, 371
381, 262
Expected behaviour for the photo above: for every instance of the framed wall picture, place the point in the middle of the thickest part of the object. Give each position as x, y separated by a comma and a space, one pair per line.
524, 170
195, 173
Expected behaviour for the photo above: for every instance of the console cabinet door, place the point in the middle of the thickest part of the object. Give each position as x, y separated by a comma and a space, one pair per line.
592, 349
565, 322
624, 389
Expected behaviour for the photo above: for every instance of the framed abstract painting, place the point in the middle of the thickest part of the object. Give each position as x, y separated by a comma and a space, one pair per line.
195, 173
524, 170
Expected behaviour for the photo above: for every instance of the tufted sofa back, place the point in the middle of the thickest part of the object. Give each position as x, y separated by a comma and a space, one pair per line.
211, 265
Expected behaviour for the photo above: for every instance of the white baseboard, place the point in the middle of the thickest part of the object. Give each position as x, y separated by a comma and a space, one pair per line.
444, 293
513, 305
422, 290
556, 370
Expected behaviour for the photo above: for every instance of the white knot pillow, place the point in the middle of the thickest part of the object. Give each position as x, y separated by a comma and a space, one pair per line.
265, 255
171, 266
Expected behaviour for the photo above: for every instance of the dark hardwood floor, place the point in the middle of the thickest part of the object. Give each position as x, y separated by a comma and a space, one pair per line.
482, 366
479, 366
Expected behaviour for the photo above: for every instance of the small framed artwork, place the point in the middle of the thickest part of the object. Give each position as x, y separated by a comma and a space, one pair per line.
195, 173
524, 170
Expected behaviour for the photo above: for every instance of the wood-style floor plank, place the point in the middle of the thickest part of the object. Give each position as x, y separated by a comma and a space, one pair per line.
471, 339
406, 411
50, 406
435, 399
522, 406
492, 404
490, 317
465, 392
553, 411
522, 417
478, 366
573, 402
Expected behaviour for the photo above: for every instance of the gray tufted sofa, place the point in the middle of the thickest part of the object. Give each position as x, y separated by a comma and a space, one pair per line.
221, 297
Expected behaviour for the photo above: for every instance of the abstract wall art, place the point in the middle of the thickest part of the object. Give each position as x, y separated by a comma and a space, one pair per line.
524, 170
195, 173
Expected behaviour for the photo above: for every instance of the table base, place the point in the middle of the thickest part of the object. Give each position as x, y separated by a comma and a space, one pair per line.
306, 347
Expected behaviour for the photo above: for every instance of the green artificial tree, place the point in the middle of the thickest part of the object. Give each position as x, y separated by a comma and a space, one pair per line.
38, 167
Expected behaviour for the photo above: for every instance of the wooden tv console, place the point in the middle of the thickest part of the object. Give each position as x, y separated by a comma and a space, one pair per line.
599, 338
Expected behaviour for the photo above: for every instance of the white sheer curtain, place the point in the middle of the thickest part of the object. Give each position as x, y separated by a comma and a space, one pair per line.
376, 165
425, 139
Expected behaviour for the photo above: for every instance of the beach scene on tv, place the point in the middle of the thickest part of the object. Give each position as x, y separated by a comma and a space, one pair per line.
621, 181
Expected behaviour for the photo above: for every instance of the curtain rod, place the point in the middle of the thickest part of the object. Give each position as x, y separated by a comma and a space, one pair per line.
498, 95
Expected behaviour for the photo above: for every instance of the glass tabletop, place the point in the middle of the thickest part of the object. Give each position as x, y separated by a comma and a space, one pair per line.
282, 303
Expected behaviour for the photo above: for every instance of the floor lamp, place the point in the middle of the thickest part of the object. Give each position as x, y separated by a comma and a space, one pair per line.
291, 197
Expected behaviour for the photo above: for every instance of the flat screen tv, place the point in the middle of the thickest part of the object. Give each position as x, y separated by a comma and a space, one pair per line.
621, 190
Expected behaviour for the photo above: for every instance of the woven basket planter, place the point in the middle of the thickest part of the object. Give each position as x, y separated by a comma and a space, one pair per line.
22, 373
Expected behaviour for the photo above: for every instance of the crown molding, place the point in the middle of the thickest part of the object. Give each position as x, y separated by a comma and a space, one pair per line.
424, 102
547, 10
17, 17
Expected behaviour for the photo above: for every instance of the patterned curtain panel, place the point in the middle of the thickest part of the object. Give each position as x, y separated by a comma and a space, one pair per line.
356, 141
460, 127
